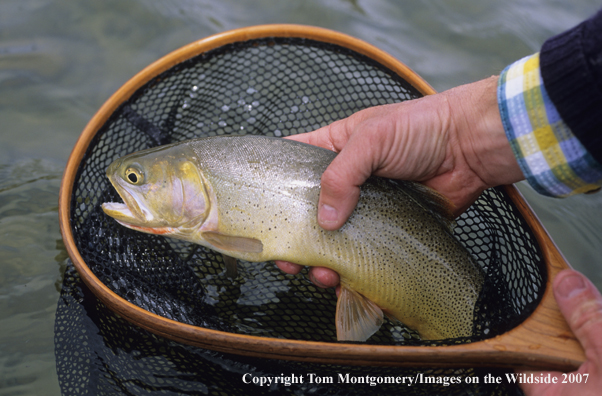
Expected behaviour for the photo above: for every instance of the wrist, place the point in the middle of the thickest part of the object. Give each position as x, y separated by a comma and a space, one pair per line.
481, 137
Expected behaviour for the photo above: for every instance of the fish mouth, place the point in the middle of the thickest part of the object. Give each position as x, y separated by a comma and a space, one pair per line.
131, 213
120, 212
124, 216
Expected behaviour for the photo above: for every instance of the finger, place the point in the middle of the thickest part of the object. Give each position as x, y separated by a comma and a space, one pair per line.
335, 136
322, 137
323, 277
581, 304
288, 267
538, 389
301, 137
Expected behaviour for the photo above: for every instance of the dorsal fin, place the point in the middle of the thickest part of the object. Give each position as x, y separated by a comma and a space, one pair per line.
441, 207
357, 318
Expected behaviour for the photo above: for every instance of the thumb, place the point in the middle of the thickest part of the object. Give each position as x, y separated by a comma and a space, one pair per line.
339, 194
341, 182
359, 155
581, 304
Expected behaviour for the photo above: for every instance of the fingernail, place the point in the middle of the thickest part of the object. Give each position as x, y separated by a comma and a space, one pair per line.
570, 286
327, 214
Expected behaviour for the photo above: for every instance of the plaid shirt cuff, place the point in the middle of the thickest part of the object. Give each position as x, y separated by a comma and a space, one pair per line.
552, 159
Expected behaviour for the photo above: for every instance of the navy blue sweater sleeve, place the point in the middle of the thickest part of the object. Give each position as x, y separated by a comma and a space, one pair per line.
571, 70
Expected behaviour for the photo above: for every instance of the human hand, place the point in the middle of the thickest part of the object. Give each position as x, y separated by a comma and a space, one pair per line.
453, 142
581, 304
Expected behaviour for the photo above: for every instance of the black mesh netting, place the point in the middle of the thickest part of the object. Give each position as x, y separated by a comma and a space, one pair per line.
98, 353
275, 87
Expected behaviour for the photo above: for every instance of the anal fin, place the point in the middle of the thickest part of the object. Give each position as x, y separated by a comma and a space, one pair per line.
357, 318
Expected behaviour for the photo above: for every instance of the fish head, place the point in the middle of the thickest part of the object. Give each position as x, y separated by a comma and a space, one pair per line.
162, 189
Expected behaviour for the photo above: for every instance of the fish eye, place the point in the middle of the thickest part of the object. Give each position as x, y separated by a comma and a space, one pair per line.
134, 176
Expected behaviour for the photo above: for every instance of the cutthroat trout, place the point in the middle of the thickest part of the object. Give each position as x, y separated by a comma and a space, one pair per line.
255, 198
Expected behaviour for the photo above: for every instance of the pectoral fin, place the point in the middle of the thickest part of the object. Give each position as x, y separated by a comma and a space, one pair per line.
357, 318
233, 243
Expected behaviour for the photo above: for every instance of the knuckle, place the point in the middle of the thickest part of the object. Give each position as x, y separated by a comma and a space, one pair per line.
334, 184
588, 316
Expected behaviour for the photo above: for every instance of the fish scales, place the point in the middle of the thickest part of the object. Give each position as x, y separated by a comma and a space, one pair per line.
393, 250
